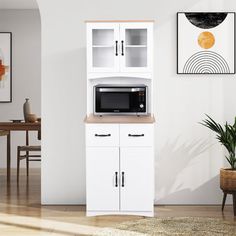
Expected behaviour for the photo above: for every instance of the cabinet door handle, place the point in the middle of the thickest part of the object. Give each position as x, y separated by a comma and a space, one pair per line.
122, 48
136, 135
123, 179
116, 48
102, 135
116, 179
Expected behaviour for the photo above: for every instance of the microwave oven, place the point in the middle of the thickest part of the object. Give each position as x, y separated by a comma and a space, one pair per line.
120, 99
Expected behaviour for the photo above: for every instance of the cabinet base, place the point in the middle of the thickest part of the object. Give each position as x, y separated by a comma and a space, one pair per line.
135, 213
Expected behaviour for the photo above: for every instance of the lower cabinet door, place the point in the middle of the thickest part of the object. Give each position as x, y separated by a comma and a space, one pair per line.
136, 179
102, 178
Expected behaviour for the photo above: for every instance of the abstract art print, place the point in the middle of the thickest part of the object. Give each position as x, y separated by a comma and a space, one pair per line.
5, 67
205, 43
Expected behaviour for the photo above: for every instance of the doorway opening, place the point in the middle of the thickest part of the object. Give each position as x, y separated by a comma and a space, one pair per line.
21, 19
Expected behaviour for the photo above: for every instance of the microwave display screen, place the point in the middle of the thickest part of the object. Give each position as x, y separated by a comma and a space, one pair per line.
115, 101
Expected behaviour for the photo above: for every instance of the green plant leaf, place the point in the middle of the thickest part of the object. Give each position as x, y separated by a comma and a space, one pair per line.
226, 135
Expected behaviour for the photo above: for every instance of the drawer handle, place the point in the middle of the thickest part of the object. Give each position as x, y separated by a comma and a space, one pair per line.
102, 135
136, 135
116, 183
123, 179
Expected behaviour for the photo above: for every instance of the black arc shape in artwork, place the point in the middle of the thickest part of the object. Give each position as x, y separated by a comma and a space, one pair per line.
205, 62
206, 20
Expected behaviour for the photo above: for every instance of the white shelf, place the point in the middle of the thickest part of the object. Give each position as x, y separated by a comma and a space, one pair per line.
103, 46
135, 46
121, 75
128, 46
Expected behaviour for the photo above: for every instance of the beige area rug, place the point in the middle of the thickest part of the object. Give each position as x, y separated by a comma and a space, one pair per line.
172, 226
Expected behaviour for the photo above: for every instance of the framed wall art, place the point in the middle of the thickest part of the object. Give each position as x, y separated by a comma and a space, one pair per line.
5, 67
205, 43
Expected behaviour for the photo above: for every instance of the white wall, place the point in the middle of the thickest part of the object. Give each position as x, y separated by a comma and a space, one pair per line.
188, 158
26, 73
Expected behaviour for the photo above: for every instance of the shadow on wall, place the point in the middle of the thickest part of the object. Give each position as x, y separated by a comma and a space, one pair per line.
197, 196
176, 159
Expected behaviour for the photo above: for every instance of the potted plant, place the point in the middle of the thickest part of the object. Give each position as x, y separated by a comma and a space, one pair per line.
226, 135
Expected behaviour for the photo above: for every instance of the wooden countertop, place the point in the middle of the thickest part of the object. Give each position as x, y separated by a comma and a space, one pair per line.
91, 119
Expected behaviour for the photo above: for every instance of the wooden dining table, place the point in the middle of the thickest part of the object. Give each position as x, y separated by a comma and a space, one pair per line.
16, 126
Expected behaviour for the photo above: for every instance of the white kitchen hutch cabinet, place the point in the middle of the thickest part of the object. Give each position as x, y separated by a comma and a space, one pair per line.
119, 47
119, 149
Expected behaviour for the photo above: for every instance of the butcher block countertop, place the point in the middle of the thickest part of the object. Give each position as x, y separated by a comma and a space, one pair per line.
91, 119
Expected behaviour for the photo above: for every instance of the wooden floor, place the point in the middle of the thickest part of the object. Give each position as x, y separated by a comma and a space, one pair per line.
22, 214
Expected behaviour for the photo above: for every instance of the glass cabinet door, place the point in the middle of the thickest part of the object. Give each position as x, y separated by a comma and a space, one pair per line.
103, 50
135, 47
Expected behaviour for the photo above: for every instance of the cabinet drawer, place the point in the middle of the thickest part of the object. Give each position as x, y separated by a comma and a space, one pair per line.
102, 135
136, 135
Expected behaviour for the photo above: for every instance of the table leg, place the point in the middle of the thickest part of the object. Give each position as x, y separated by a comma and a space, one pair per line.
9, 157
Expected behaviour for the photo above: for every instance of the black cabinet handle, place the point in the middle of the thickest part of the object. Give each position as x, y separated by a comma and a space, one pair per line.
123, 179
116, 48
116, 184
136, 135
102, 135
122, 48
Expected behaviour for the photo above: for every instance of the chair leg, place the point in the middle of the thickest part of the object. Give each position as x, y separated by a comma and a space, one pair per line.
18, 164
234, 202
223, 202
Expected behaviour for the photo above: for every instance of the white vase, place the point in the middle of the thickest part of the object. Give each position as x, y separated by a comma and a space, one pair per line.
26, 109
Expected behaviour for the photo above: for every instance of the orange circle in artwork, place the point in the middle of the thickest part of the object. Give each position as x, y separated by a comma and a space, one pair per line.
206, 40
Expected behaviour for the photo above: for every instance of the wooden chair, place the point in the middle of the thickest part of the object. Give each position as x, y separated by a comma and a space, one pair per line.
24, 152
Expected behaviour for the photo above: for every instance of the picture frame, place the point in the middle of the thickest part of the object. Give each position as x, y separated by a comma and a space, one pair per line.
206, 43
5, 67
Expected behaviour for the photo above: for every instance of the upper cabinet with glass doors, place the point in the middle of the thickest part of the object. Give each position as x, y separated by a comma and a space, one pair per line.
119, 47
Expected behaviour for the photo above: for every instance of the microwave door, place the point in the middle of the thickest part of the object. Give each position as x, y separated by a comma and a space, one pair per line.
113, 102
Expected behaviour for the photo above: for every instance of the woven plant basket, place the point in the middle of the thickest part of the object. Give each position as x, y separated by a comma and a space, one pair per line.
228, 179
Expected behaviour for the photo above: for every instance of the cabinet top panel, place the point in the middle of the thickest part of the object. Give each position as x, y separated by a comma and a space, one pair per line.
108, 21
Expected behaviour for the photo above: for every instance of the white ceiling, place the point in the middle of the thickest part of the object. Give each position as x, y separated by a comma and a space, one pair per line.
18, 4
